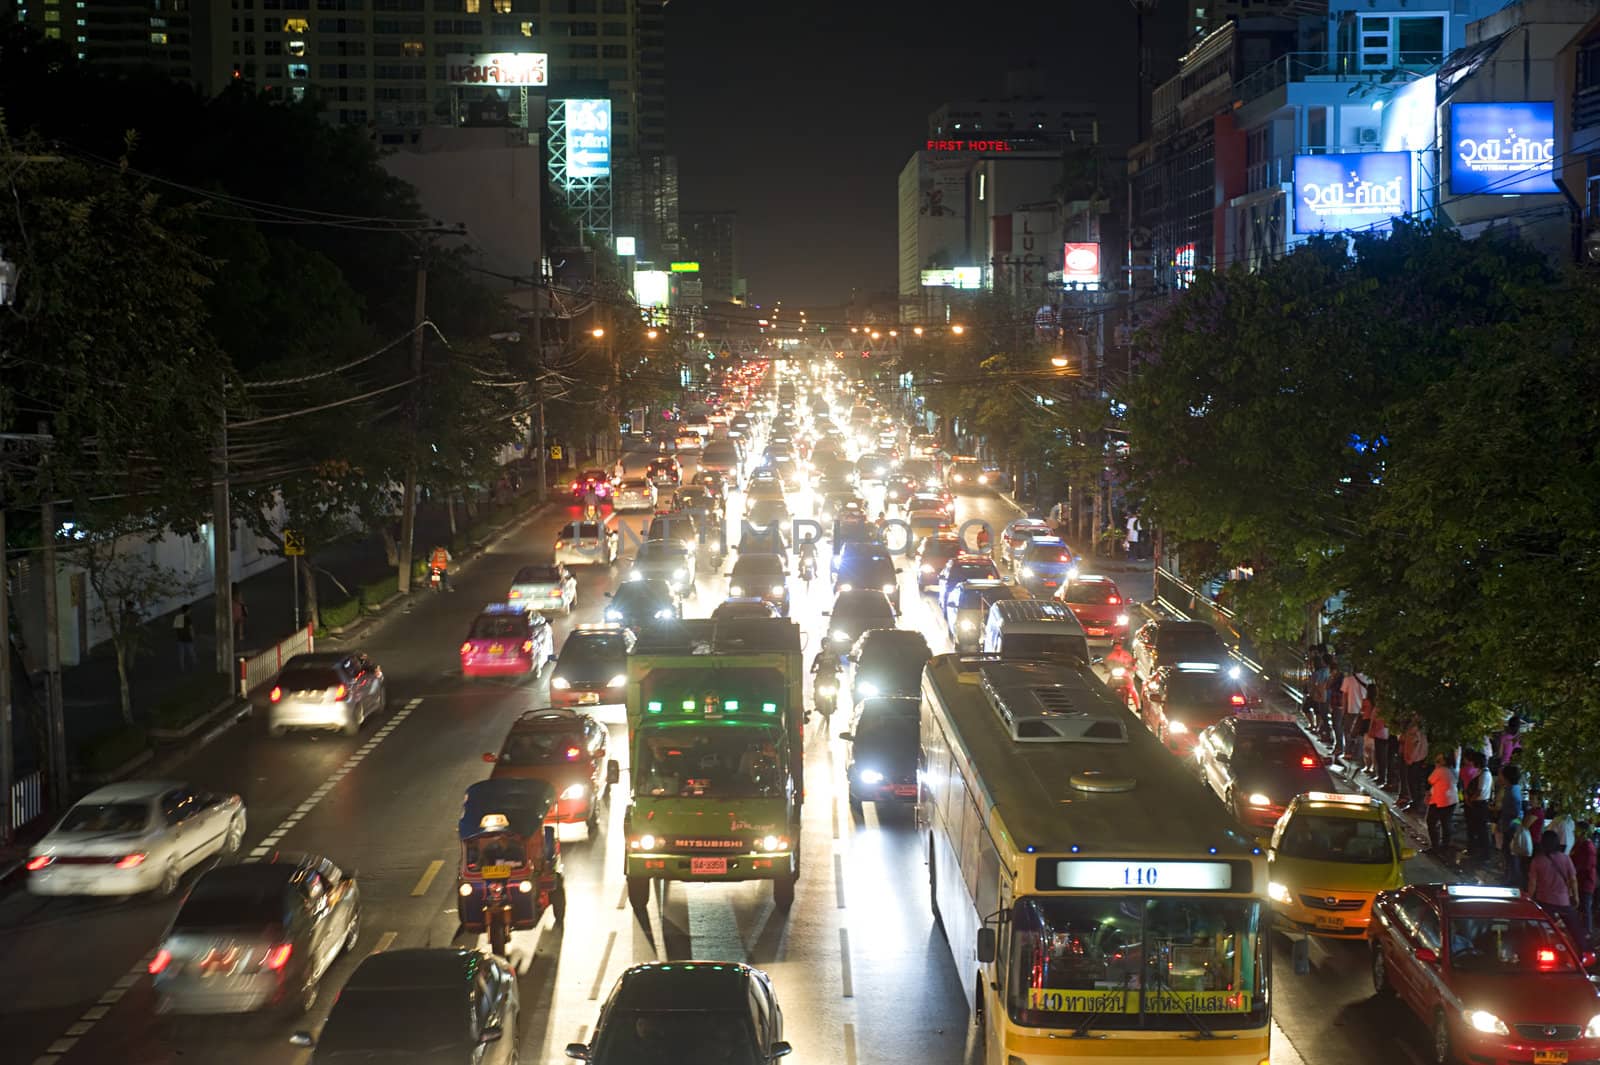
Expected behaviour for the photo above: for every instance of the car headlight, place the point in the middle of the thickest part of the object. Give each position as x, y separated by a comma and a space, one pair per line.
647, 843
1177, 728
1122, 621
888, 589
574, 791
839, 634
680, 574
1119, 672
635, 575
1592, 1030
617, 681
965, 625
1072, 573
1259, 799
560, 684
926, 568
735, 591
866, 689
827, 689
845, 587
1277, 892
777, 589
664, 613
613, 615
870, 776
773, 843
1027, 571
1486, 1022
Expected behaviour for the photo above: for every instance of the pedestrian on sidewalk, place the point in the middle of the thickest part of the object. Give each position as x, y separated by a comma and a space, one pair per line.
1336, 710
1358, 715
1560, 822
1318, 696
1476, 786
1414, 753
1442, 801
1509, 742
1583, 857
1134, 528
1382, 743
183, 632
1553, 883
240, 613
1533, 815
1510, 822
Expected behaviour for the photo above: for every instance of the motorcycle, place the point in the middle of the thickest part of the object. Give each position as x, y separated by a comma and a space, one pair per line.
436, 579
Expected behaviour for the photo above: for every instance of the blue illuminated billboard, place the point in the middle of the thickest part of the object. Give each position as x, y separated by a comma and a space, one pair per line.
1361, 190
1502, 149
588, 138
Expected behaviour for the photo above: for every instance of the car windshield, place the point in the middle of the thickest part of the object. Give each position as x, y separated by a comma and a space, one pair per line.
639, 595
1274, 748
1192, 687
232, 903
1508, 945
635, 485
583, 650
1203, 643
757, 566
966, 571
1139, 963
538, 575
1336, 839
888, 718
542, 748
1047, 553
308, 678
499, 627
667, 1037
588, 530
105, 817
1090, 593
715, 763
406, 1021
660, 551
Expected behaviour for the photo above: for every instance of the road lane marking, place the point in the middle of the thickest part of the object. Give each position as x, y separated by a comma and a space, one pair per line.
849, 1043
385, 941
836, 817
605, 960
94, 1013
838, 879
61, 1046
413, 704
46, 1059
427, 879
622, 899
847, 990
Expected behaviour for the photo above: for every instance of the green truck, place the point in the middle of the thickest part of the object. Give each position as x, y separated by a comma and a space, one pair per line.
715, 718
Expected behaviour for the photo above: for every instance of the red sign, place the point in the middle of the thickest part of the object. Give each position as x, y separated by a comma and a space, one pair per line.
970, 146
1082, 263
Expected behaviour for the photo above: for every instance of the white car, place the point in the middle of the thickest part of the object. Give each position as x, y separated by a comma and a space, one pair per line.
588, 543
133, 837
549, 586
634, 494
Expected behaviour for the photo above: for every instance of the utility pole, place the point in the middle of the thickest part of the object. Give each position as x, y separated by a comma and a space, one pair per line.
539, 449
54, 708
408, 500
7, 753
222, 550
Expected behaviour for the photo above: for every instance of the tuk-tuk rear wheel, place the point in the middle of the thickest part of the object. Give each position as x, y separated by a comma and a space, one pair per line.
639, 893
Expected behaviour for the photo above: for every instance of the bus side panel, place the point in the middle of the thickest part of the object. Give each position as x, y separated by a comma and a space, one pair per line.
957, 913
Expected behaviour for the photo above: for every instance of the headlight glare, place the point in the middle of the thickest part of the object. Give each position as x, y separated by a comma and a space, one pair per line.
647, 843
870, 776
735, 591
1592, 1030
866, 689
1260, 799
574, 791
840, 634
1487, 1023
617, 681
1177, 728
1122, 621
560, 684
1277, 892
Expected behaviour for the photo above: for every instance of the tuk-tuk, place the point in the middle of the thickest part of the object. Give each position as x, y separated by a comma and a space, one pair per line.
510, 859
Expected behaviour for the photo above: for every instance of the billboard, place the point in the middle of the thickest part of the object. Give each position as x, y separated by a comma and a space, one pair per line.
503, 70
588, 138
627, 246
959, 277
651, 288
1350, 191
1502, 149
1082, 264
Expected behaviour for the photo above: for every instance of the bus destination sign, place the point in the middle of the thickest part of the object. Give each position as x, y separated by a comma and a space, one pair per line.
1124, 874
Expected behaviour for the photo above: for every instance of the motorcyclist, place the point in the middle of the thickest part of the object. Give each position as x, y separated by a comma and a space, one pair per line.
591, 503
808, 560
825, 685
439, 563
1118, 665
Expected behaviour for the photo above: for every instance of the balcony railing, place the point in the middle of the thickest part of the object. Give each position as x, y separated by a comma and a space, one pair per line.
1320, 66
1586, 108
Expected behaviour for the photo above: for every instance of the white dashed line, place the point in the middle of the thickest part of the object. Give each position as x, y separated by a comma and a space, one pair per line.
846, 988
102, 1005
849, 1043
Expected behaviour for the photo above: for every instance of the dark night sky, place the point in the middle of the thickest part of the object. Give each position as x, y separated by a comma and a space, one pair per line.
799, 116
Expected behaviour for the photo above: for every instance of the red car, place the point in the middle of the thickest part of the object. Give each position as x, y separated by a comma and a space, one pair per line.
1494, 976
506, 640
1099, 607
567, 750
596, 481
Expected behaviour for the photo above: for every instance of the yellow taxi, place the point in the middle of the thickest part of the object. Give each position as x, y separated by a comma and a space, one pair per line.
1329, 857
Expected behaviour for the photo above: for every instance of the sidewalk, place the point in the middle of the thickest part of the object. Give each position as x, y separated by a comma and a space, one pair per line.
1100, 564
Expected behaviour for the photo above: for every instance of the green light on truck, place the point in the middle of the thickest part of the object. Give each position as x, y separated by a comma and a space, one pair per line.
769, 708
730, 704
654, 707
688, 704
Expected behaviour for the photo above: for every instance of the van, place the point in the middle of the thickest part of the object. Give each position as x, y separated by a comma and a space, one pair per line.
722, 456
1033, 629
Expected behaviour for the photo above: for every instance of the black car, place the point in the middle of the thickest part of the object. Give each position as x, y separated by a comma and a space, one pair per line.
688, 1012
1168, 640
450, 1004
888, 662
1257, 765
664, 470
868, 568
853, 613
592, 658
760, 576
640, 603
883, 750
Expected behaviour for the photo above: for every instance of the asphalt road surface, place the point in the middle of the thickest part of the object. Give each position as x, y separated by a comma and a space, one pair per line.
861, 972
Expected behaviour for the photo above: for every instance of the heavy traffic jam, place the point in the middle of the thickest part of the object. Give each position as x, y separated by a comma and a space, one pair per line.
787, 661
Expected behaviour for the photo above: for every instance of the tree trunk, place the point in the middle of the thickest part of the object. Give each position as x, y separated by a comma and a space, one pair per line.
1094, 540
308, 584
450, 508
119, 644
391, 549
470, 502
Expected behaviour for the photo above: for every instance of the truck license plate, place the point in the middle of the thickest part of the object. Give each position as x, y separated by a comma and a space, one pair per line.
707, 866
905, 789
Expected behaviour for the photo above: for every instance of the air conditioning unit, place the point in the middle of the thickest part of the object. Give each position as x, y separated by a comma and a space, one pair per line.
1367, 136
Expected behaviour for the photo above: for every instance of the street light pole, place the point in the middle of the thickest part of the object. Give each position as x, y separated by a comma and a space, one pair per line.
408, 498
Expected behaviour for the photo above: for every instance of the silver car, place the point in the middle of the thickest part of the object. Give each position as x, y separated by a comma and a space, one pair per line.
260, 935
589, 543
544, 587
326, 690
634, 494
665, 560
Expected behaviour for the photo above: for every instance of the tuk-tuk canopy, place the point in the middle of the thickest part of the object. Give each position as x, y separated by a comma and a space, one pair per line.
517, 806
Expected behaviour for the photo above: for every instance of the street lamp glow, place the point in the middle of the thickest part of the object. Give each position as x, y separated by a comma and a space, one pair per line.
958, 329
597, 332
1058, 361
917, 330
699, 336
894, 333
651, 333
853, 329
876, 334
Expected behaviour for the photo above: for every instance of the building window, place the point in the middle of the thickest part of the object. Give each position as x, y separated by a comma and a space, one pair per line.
297, 48
472, 27
614, 51
615, 29
158, 38
616, 7
581, 7
414, 49
472, 6
527, 29
1421, 40
582, 51
273, 48
583, 29
616, 73
299, 71
296, 25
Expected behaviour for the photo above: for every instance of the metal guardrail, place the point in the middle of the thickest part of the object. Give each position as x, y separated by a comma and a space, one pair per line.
261, 667
27, 800
1275, 661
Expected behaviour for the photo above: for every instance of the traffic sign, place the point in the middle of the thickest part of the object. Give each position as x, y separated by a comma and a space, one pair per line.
555, 452
293, 544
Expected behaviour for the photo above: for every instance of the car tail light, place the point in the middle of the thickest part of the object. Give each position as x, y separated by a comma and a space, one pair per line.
159, 963
1113, 599
339, 693
572, 754
278, 957
527, 647
1546, 958
1236, 699
1307, 761
466, 647
130, 861
276, 693
39, 862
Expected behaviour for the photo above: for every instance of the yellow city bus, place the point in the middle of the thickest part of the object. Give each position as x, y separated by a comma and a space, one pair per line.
1099, 904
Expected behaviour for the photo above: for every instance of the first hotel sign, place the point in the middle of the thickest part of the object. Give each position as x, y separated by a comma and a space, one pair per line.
499, 70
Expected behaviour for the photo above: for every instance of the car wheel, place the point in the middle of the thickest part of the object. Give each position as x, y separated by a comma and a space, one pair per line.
1380, 973
351, 936
235, 837
306, 999
1443, 1052
169, 881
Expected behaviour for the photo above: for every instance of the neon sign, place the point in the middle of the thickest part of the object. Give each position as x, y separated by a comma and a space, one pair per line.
970, 146
1502, 149
1350, 191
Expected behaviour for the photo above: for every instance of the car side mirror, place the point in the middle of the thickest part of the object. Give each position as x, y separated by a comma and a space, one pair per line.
986, 946
848, 737
1427, 956
613, 772
490, 1035
578, 1051
302, 1039
1587, 959
491, 757
780, 1049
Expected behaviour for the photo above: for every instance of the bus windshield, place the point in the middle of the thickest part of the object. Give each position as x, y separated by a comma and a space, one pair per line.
1136, 963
